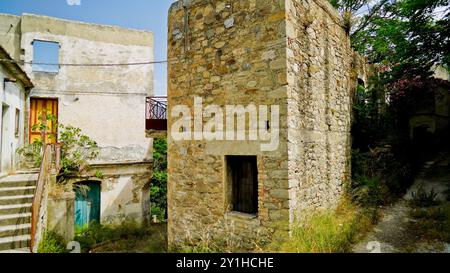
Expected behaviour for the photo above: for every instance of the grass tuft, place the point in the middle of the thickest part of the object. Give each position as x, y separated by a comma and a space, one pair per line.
329, 231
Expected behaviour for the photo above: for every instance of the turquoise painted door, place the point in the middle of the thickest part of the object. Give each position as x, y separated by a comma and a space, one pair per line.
87, 205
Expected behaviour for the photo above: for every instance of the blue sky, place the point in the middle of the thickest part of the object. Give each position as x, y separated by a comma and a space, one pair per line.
139, 14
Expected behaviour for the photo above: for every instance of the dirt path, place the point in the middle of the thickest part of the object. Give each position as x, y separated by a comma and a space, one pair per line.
392, 234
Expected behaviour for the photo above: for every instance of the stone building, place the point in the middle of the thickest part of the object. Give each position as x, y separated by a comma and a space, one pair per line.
106, 102
291, 53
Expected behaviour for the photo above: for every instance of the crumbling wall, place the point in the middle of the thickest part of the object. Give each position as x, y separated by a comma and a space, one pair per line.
106, 102
10, 34
125, 191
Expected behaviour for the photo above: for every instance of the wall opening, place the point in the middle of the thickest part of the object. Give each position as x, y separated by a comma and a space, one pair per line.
87, 203
242, 175
17, 123
45, 56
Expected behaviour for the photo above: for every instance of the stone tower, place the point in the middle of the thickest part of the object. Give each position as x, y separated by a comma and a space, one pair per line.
291, 53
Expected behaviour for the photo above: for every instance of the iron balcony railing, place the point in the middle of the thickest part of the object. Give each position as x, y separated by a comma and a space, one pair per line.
156, 113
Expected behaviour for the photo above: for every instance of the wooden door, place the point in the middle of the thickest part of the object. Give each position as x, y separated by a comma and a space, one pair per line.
244, 177
43, 110
87, 205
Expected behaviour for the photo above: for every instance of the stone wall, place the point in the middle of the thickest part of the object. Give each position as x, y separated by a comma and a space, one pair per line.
320, 89
233, 53
290, 53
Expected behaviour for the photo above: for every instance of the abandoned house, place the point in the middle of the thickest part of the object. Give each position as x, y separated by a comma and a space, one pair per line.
107, 102
291, 53
15, 87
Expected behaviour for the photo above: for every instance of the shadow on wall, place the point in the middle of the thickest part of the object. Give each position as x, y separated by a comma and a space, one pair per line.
125, 198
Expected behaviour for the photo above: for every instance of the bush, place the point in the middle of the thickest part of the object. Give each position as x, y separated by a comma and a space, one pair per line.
423, 198
158, 189
432, 223
95, 234
379, 176
52, 243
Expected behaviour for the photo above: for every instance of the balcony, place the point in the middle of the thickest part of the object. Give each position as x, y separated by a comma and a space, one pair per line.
156, 117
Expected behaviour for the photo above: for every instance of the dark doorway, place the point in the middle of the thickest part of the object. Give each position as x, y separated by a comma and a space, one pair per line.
243, 177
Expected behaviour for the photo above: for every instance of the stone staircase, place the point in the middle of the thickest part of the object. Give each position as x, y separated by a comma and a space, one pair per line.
16, 198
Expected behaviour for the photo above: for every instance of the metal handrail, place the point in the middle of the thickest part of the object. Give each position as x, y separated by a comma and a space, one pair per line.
156, 108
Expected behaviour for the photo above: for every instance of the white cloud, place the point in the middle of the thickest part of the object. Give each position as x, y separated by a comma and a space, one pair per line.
73, 2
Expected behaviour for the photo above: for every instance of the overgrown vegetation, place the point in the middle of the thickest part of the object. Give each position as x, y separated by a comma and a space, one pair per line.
76, 150
432, 223
328, 231
423, 198
127, 237
52, 242
158, 189
431, 217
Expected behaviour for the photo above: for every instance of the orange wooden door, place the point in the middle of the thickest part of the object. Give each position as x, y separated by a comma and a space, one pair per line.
42, 111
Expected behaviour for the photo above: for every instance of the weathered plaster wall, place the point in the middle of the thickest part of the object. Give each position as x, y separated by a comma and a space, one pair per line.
111, 98
320, 92
10, 34
288, 53
61, 215
106, 102
12, 97
125, 192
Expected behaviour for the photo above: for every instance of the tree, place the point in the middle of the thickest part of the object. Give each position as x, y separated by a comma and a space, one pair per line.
406, 36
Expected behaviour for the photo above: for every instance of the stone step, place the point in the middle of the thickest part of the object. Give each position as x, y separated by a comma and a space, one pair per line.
19, 177
25, 183
15, 242
15, 230
15, 219
10, 191
15, 208
24, 250
16, 199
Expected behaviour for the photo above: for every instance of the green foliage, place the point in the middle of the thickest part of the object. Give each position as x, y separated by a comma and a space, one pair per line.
95, 234
423, 198
32, 154
431, 223
52, 243
406, 35
158, 189
76, 150
99, 174
379, 177
328, 231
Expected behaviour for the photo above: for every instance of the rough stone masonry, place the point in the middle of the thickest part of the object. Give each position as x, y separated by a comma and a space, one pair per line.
291, 53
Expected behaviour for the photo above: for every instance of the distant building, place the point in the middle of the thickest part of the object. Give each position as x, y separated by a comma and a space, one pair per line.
106, 102
15, 87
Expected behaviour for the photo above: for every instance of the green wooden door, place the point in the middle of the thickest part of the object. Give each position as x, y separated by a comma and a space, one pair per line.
87, 204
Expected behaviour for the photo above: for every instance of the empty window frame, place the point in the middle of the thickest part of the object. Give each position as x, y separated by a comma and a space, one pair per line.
17, 123
242, 175
45, 56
